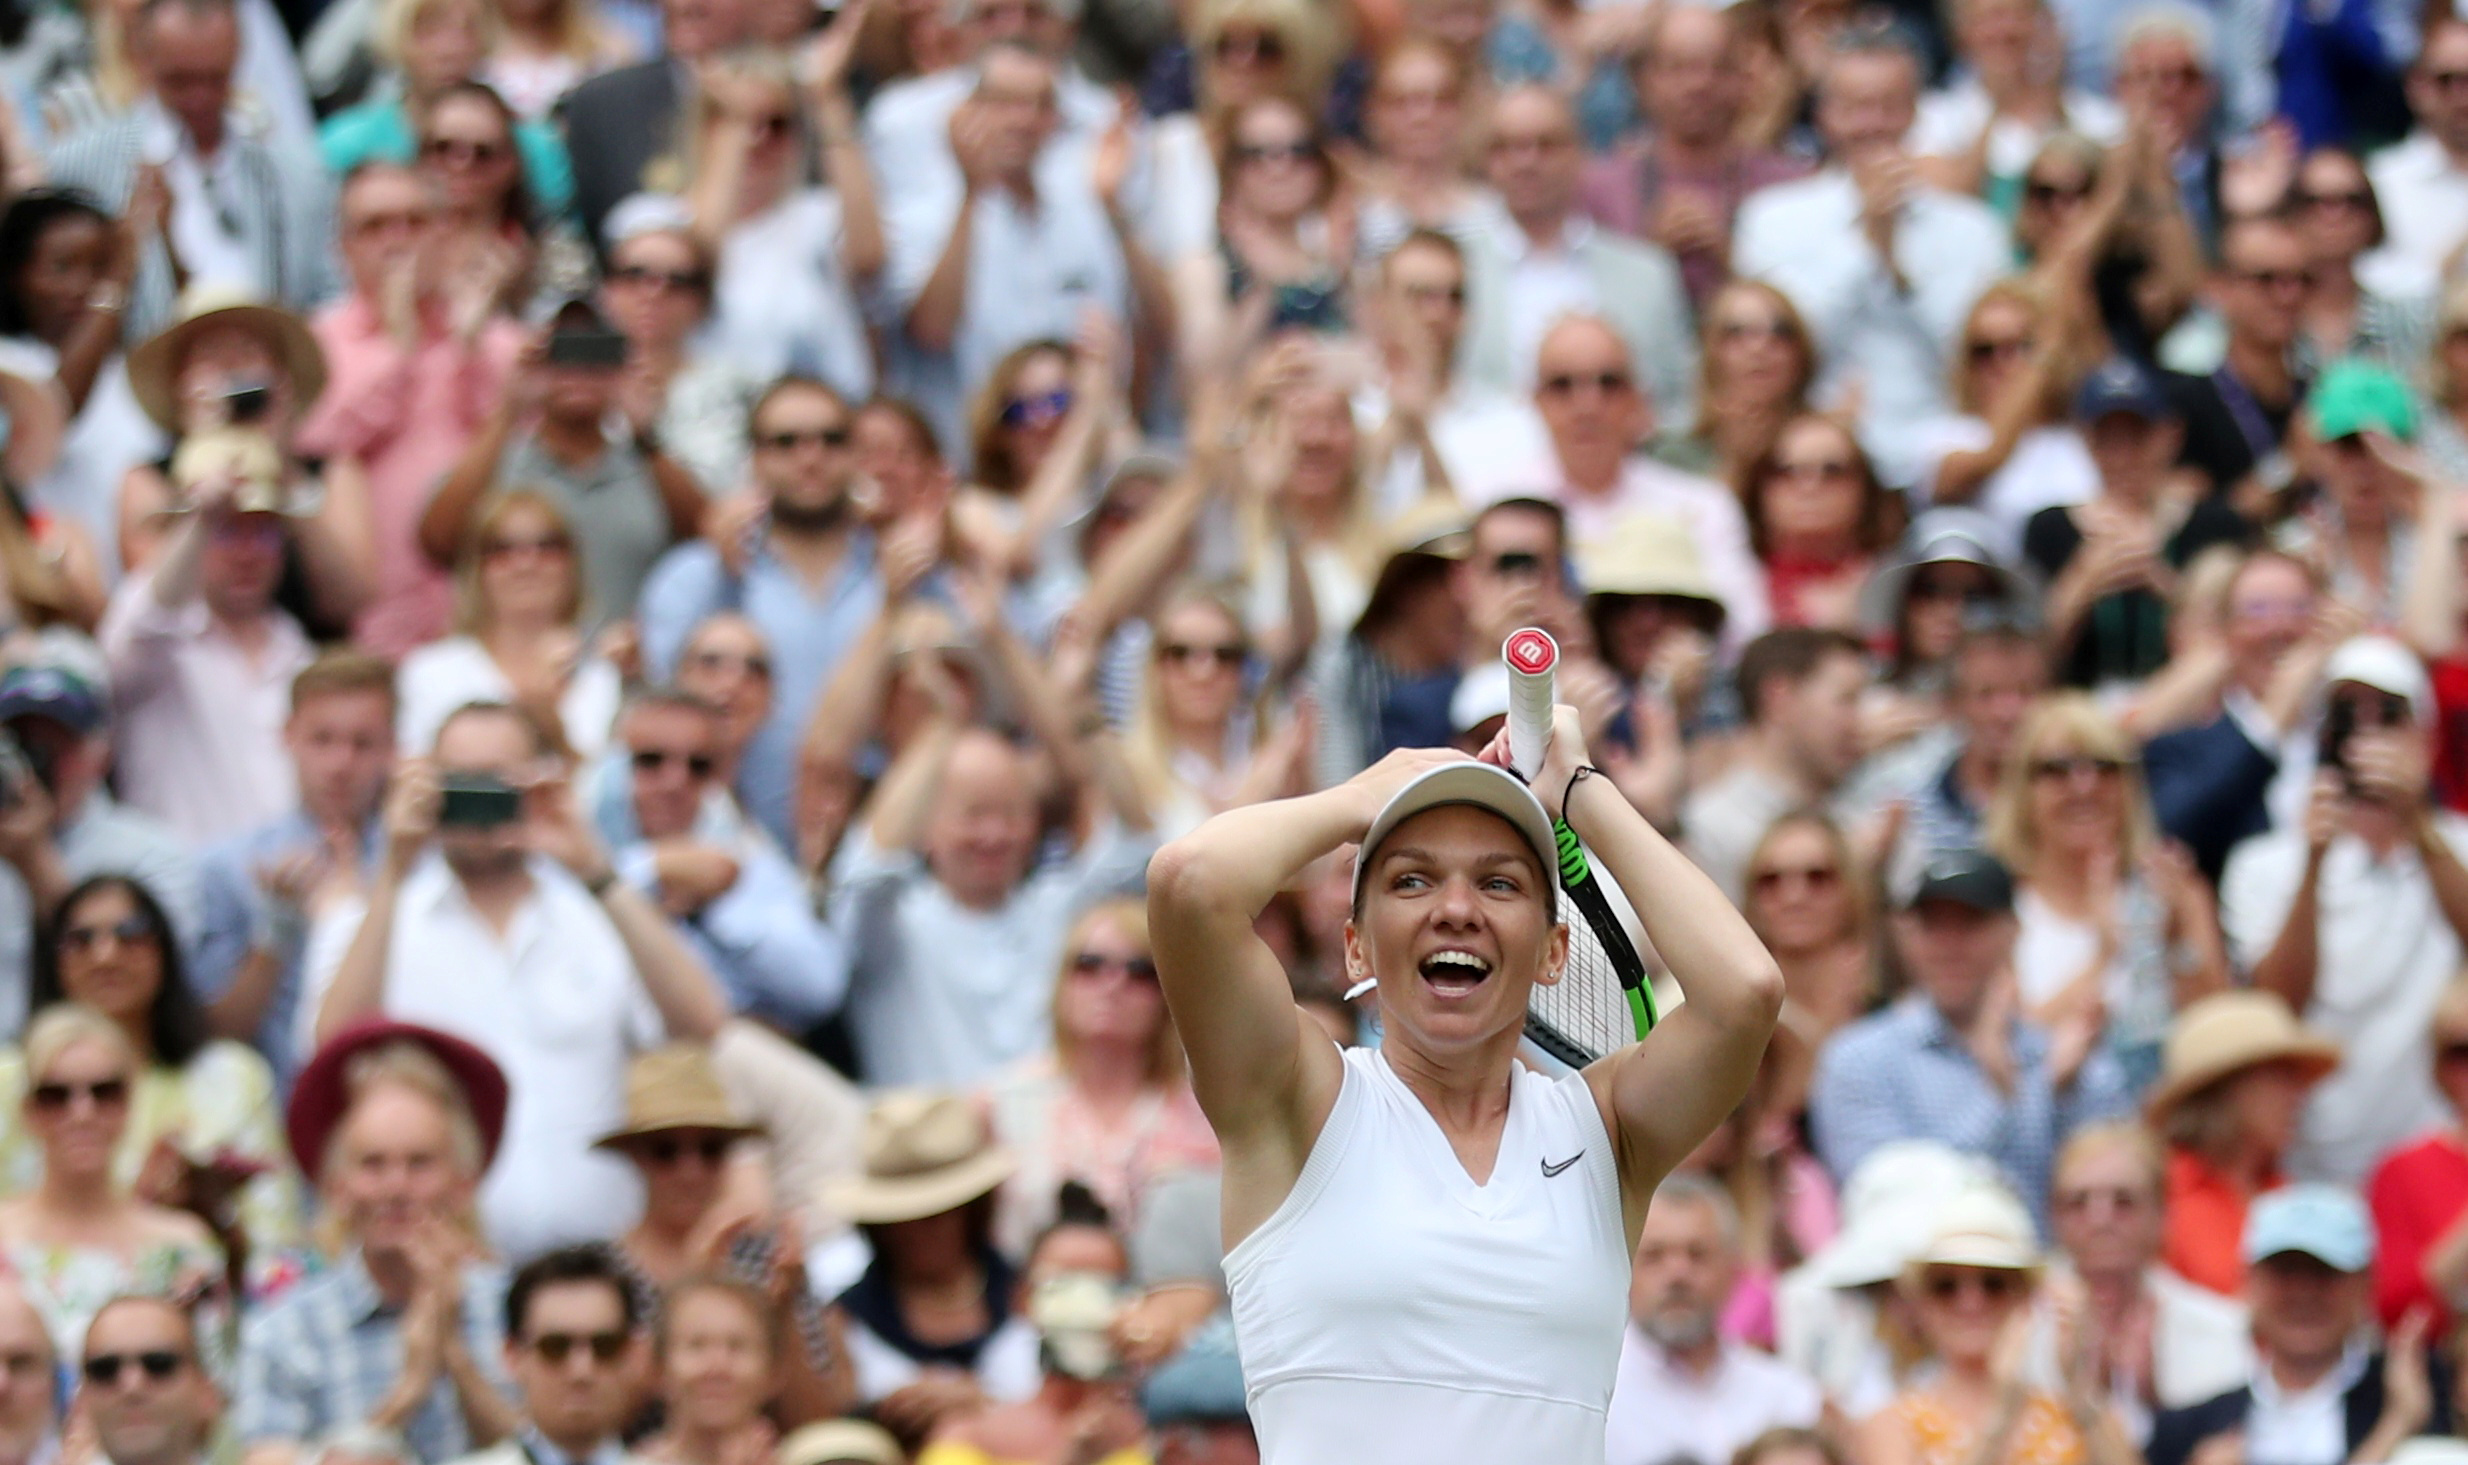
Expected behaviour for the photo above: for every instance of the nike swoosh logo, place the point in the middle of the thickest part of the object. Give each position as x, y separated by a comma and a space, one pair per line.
1550, 1169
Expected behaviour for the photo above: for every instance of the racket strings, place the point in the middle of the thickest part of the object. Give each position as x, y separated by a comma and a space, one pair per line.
1586, 1011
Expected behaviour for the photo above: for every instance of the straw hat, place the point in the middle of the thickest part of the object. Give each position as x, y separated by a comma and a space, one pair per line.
675, 1088
2230, 1031
1432, 530
840, 1442
1983, 1226
1646, 554
926, 1152
322, 1091
154, 366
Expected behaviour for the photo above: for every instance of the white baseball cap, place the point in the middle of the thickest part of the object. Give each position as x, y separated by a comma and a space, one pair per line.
1481, 785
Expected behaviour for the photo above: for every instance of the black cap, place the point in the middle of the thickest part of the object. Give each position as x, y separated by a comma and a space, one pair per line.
1965, 877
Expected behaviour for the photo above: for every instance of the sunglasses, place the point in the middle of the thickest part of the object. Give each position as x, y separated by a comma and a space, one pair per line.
1038, 411
503, 549
1947, 587
753, 666
1945, 1286
126, 931
1093, 963
1769, 329
1569, 383
2278, 279
1275, 152
159, 1364
1830, 470
52, 1097
1250, 46
2357, 199
558, 1347
682, 282
2069, 767
2045, 194
1984, 350
652, 760
661, 1149
1814, 877
462, 150
773, 127
1184, 653
2114, 1197
836, 436
1436, 294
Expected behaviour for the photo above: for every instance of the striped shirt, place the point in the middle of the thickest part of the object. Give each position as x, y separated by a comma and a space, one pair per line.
325, 1355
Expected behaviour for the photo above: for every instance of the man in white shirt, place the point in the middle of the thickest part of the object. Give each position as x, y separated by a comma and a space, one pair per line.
2355, 916
2422, 183
515, 934
908, 123
1684, 1391
1014, 245
1547, 260
1422, 408
1596, 413
202, 661
958, 935
1882, 267
2317, 1392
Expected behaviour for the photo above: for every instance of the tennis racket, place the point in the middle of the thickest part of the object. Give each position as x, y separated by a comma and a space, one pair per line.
1602, 1001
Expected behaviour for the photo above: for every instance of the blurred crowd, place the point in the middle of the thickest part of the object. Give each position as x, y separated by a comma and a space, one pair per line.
603, 602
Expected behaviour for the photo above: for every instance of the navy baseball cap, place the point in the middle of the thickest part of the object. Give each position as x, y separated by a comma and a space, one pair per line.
2121, 386
1971, 878
55, 686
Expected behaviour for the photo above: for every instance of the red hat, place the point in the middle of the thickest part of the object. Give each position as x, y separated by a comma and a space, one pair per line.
319, 1095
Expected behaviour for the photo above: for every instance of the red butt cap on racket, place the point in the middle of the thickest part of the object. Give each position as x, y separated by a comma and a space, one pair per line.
1532, 656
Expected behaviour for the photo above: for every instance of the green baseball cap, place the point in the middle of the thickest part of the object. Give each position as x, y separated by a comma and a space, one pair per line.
2352, 397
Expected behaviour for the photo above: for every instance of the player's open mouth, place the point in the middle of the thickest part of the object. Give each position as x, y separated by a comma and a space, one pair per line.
1454, 973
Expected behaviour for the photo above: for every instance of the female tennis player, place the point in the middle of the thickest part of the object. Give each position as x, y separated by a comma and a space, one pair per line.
1430, 1242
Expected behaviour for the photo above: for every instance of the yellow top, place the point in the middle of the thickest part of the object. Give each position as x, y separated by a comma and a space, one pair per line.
952, 1452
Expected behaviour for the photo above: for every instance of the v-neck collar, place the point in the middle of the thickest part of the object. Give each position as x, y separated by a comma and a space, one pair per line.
1484, 1197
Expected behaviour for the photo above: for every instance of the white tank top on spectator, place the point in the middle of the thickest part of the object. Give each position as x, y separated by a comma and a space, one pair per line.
1394, 1311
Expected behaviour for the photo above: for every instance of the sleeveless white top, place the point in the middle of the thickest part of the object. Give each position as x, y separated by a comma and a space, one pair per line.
1393, 1312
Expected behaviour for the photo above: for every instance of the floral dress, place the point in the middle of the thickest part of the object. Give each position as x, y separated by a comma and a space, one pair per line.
2045, 1435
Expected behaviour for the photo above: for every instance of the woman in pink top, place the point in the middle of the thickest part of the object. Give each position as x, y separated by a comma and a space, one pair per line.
1111, 1107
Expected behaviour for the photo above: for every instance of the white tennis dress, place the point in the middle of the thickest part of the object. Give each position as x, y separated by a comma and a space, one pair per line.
1393, 1312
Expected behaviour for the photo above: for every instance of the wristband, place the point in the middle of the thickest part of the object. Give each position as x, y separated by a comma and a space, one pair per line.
1583, 772
598, 884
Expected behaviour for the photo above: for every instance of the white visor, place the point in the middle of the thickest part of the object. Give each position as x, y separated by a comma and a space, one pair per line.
1483, 786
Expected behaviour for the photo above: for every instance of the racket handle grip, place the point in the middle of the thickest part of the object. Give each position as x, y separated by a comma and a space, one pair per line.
1532, 658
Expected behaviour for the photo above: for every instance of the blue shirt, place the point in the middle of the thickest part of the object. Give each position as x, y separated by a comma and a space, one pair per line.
236, 918
761, 937
325, 1355
808, 634
1904, 1073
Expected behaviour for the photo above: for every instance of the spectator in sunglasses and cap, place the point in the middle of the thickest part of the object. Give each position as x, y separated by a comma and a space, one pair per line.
2318, 1392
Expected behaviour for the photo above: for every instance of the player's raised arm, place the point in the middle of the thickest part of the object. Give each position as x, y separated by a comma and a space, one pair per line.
1664, 1095
1263, 1072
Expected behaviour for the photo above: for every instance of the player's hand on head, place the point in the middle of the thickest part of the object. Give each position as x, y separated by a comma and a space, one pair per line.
1377, 784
